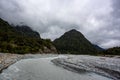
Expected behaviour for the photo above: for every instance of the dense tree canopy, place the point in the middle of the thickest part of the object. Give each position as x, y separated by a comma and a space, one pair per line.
112, 51
74, 42
21, 39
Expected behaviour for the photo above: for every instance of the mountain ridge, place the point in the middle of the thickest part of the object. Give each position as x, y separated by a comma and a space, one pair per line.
19, 40
26, 30
74, 42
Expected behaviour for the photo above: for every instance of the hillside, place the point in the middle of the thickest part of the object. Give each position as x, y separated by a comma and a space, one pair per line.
112, 51
74, 42
22, 40
98, 48
25, 30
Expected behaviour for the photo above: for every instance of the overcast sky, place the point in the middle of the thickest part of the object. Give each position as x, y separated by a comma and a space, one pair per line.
98, 20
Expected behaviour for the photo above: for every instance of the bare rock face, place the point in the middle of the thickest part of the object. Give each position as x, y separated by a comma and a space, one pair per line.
52, 49
40, 51
46, 50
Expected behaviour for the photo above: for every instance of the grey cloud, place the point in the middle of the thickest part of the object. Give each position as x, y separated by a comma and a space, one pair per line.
9, 10
116, 8
98, 20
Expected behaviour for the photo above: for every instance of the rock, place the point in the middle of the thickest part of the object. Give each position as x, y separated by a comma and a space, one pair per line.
106, 66
49, 50
6, 59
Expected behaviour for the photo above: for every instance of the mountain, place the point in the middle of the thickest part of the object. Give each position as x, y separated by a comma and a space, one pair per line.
98, 48
22, 39
26, 30
74, 42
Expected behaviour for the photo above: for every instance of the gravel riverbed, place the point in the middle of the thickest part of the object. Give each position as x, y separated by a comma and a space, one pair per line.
106, 66
7, 59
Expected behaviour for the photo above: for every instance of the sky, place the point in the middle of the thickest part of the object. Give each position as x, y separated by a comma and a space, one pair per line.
98, 20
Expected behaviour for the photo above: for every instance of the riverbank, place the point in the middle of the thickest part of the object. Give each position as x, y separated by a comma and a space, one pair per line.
7, 59
106, 66
40, 67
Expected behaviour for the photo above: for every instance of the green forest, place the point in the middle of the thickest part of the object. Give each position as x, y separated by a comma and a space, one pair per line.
74, 42
112, 51
21, 39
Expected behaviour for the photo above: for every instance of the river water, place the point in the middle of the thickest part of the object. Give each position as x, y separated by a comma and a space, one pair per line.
44, 69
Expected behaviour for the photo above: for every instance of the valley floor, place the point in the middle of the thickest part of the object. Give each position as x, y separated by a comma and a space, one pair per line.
106, 66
